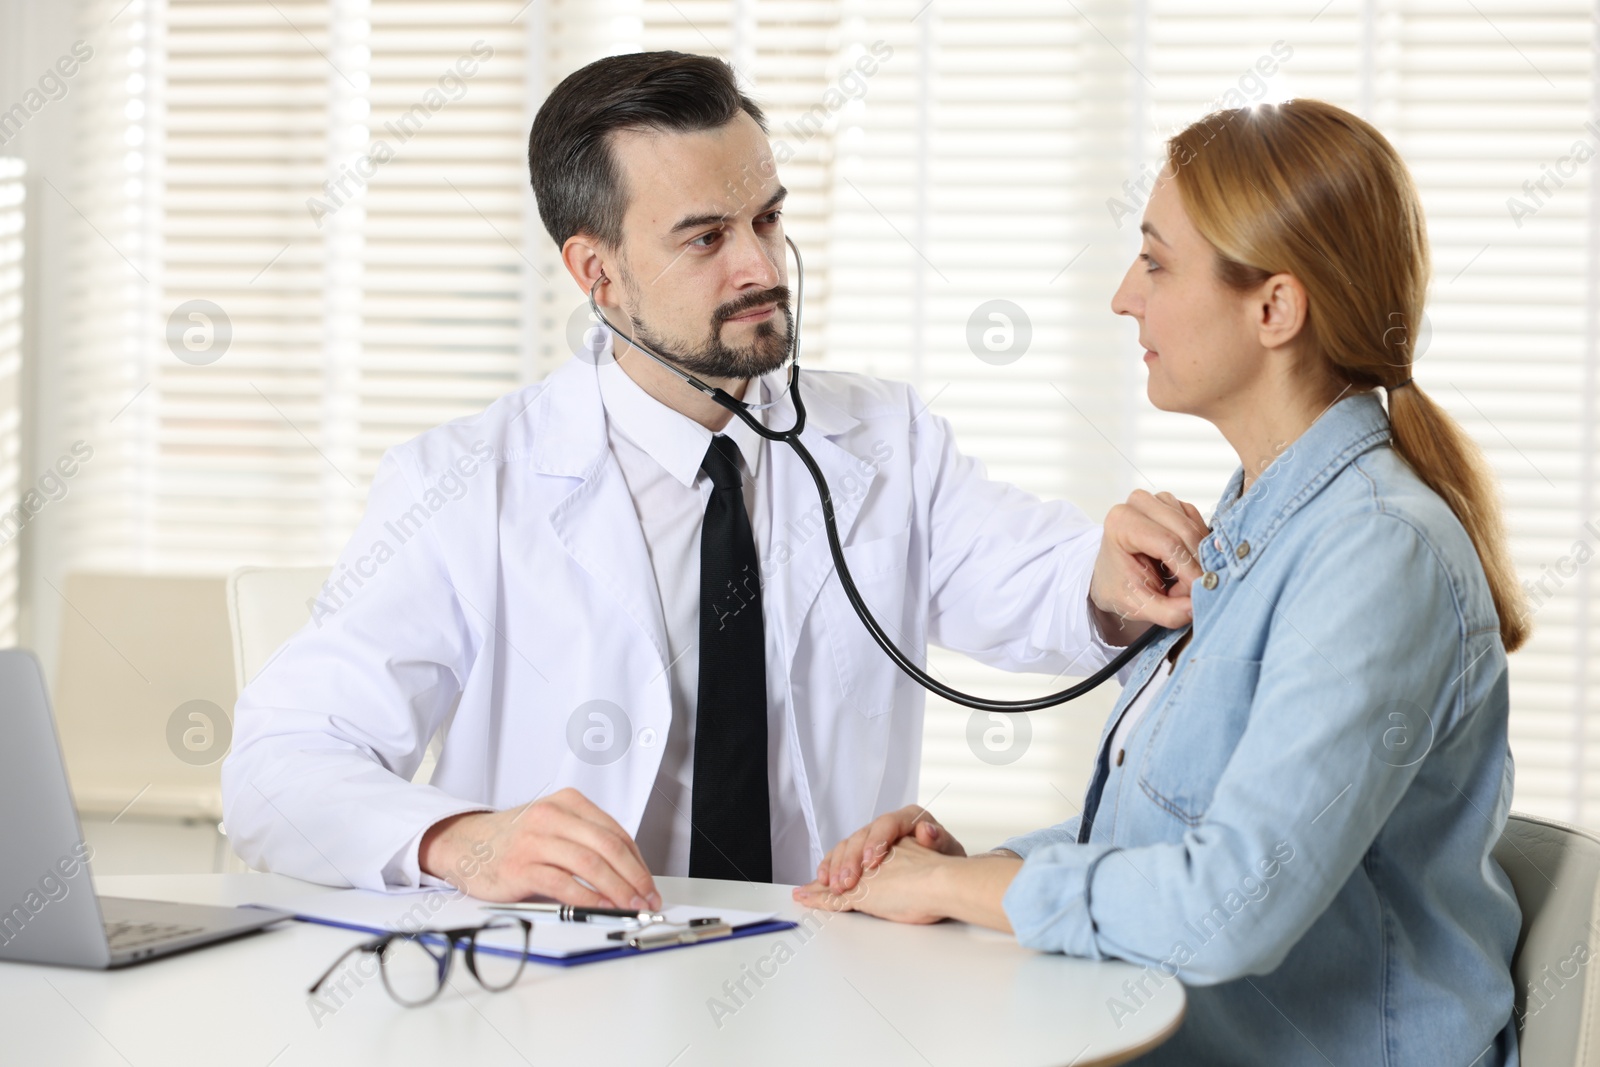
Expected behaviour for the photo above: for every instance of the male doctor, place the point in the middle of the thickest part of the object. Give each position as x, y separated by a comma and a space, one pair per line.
617, 603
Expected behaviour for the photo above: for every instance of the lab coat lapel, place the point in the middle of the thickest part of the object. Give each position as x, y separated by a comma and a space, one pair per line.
799, 559
597, 525
596, 522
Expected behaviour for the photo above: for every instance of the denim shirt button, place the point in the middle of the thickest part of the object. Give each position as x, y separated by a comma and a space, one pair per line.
1209, 580
1244, 549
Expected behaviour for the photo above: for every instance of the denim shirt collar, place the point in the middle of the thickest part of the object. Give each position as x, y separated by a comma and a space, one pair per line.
1242, 526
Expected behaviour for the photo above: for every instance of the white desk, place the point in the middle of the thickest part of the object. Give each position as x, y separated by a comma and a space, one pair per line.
858, 991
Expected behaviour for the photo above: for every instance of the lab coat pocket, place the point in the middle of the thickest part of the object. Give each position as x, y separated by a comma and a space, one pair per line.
1198, 726
866, 676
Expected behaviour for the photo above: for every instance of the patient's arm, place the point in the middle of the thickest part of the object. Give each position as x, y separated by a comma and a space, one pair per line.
974, 890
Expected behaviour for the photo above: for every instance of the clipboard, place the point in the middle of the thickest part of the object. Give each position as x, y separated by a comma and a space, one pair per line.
569, 944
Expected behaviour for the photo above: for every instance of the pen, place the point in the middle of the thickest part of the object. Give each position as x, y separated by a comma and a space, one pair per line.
692, 924
668, 938
573, 913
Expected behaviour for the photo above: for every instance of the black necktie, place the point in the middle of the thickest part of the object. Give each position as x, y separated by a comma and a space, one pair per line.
732, 836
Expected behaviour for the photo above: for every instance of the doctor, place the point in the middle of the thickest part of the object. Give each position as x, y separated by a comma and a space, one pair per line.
618, 605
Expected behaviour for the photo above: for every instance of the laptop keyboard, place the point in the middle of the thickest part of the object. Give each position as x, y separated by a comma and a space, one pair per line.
125, 935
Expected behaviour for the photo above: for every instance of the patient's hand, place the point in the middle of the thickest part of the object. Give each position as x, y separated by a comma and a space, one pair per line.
863, 850
914, 884
1148, 559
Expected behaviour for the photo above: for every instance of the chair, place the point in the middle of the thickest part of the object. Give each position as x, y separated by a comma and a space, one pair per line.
136, 651
1555, 870
266, 605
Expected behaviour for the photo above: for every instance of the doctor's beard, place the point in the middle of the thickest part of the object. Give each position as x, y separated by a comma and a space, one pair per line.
713, 359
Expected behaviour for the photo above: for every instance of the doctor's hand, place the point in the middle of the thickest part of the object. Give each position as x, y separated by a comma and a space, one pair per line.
864, 850
541, 849
1149, 558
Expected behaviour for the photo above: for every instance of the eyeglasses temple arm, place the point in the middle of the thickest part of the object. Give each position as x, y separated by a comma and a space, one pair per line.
368, 946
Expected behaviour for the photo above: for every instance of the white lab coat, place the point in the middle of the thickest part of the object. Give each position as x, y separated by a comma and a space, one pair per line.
499, 583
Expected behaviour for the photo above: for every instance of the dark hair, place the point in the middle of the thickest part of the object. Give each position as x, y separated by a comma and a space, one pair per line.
570, 163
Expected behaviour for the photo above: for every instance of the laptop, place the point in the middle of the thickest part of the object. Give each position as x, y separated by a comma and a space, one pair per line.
49, 912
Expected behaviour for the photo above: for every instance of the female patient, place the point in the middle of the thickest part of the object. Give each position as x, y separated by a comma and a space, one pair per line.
1294, 800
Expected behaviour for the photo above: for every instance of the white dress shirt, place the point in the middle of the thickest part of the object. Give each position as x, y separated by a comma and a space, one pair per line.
660, 452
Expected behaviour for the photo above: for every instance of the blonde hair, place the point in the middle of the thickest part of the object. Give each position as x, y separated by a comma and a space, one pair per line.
1308, 189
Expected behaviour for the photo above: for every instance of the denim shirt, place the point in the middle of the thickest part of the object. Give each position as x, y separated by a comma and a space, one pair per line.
1300, 830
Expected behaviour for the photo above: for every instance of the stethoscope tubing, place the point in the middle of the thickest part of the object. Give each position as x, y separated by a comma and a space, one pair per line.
904, 662
791, 437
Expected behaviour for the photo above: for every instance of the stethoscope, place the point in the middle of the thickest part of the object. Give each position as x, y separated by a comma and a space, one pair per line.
791, 437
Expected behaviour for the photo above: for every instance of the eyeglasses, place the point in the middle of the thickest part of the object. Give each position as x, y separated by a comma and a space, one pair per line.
415, 965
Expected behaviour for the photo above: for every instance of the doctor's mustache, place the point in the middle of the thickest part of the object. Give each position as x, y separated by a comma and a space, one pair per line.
779, 296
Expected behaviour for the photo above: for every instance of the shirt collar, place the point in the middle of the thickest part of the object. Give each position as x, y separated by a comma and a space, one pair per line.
669, 437
1243, 524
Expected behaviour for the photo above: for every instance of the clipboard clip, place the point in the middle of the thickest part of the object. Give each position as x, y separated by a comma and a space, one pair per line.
645, 941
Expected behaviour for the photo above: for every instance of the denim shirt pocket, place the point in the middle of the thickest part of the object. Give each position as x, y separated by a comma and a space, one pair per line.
1196, 730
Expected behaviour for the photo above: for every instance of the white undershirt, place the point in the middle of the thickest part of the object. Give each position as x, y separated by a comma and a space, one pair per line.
660, 451
1136, 709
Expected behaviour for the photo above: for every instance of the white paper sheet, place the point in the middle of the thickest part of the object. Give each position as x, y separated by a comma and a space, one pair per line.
445, 909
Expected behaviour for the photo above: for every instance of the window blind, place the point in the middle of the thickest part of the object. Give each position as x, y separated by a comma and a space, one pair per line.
962, 183
1073, 107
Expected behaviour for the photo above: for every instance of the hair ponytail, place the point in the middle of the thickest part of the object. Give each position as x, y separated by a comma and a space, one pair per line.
1308, 189
1452, 465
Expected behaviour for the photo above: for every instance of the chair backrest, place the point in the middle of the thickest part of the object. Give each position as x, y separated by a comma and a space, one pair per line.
1555, 870
266, 606
143, 693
